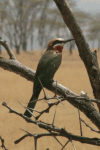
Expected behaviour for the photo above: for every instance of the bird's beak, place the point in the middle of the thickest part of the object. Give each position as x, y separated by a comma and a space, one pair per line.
67, 41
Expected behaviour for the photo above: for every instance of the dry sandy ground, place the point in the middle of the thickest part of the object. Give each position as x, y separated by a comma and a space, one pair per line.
71, 74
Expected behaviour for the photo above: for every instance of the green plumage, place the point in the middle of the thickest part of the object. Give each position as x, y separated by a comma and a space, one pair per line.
48, 65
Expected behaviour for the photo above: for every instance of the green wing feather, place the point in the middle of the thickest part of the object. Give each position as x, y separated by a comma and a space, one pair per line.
48, 65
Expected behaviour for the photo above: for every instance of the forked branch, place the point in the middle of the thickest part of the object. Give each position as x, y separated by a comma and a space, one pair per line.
55, 131
7, 47
85, 106
2, 143
89, 58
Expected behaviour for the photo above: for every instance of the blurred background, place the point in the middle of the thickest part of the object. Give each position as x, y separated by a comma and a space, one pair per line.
29, 25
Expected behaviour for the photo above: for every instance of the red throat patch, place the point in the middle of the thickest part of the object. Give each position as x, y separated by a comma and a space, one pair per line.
58, 48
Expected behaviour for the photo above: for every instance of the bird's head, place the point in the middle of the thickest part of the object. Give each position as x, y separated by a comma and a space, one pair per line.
57, 44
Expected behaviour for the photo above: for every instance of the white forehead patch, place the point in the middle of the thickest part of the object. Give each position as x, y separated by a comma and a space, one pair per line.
60, 39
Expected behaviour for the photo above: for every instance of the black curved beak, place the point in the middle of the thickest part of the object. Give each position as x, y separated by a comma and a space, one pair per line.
68, 40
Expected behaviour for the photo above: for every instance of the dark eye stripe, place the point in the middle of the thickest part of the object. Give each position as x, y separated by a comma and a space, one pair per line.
56, 42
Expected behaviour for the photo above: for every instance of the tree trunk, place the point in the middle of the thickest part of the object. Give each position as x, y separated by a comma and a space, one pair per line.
31, 41
0, 49
89, 58
71, 46
24, 46
98, 44
17, 49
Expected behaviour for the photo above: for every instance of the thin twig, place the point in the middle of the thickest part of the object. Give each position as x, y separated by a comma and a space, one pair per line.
7, 47
35, 142
20, 139
34, 110
48, 108
57, 131
36, 100
58, 141
19, 114
2, 142
65, 144
80, 122
42, 88
27, 110
89, 126
73, 145
49, 99
36, 136
59, 100
56, 89
54, 118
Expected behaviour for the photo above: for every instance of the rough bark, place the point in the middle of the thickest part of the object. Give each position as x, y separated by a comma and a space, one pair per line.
85, 106
89, 58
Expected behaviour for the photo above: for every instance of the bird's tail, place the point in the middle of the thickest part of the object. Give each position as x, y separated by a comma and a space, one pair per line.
32, 103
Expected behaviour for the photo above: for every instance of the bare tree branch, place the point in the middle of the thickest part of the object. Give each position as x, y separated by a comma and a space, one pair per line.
82, 103
2, 142
20, 139
89, 126
89, 58
73, 145
58, 141
85, 106
80, 123
36, 136
28, 110
57, 131
54, 118
7, 47
65, 144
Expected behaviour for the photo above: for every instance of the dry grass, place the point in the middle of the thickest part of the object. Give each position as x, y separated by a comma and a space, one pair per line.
71, 74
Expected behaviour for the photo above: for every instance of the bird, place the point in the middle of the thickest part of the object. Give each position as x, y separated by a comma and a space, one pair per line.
47, 66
